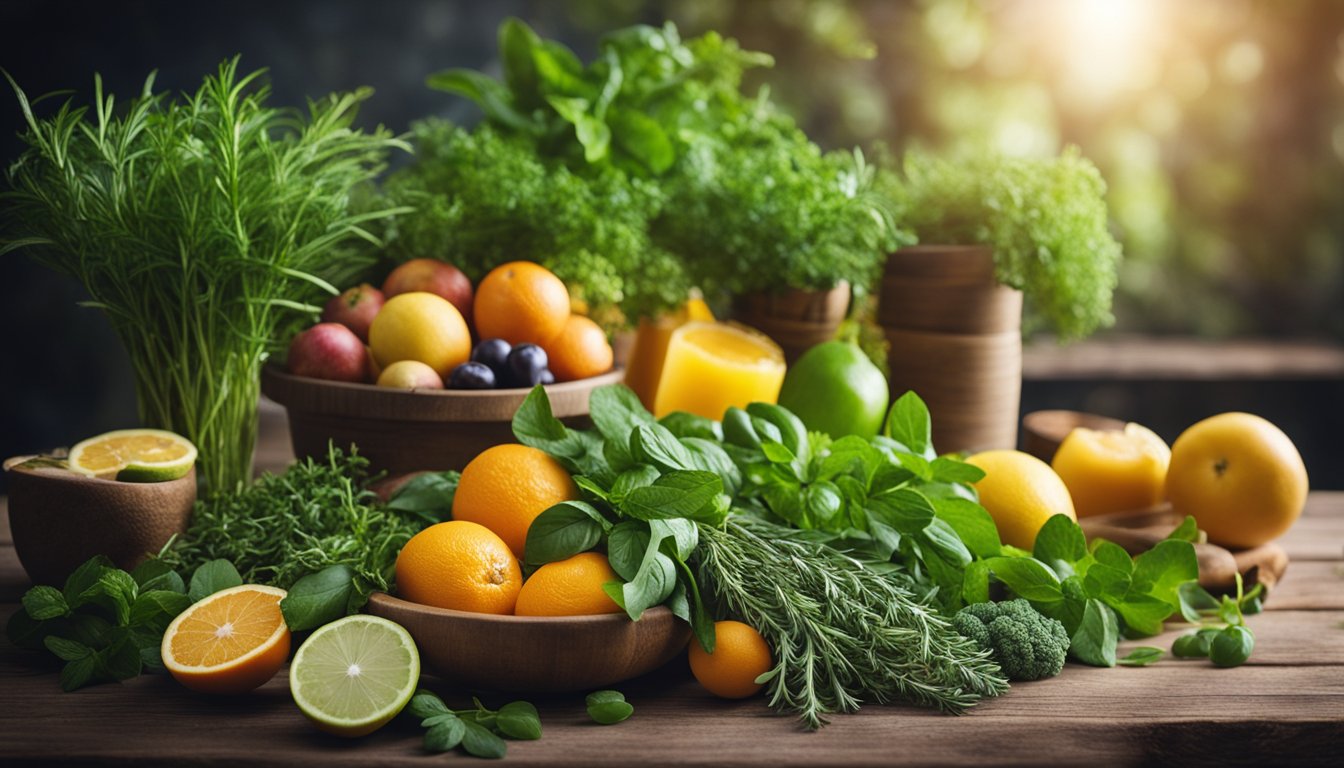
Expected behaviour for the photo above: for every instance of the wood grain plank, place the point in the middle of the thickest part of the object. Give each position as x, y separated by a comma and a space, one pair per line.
1309, 586
1282, 638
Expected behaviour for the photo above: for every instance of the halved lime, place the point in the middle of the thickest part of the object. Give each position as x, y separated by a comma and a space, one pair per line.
134, 455
352, 676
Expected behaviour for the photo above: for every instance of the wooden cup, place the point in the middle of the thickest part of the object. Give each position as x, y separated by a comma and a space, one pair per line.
796, 320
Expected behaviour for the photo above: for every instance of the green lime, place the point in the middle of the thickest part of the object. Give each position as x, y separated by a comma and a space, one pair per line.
352, 676
134, 455
834, 388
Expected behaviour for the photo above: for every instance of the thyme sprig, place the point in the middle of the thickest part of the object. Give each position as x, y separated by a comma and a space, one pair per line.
842, 631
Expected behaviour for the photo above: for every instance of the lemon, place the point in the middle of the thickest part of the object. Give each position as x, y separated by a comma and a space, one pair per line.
1020, 492
352, 676
1112, 470
134, 455
834, 388
420, 326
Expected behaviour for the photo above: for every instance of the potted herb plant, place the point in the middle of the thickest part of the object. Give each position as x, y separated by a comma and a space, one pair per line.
992, 230
205, 229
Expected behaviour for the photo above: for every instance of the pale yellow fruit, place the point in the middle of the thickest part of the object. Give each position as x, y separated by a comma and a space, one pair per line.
1020, 492
1112, 470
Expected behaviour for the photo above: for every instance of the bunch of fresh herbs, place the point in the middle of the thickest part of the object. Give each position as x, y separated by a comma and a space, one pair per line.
478, 731
205, 228
1045, 219
107, 624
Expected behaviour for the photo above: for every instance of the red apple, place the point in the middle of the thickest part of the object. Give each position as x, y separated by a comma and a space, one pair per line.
432, 276
355, 309
329, 351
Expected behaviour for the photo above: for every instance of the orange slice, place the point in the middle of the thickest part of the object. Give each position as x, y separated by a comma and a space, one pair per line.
230, 642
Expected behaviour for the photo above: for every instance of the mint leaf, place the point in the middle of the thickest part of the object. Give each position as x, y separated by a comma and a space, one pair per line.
425, 704
83, 578
318, 598
43, 602
158, 606
76, 674
445, 734
67, 650
479, 741
519, 720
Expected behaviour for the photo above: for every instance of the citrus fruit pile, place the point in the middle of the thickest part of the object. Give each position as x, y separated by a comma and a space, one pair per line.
472, 563
417, 331
1237, 474
134, 455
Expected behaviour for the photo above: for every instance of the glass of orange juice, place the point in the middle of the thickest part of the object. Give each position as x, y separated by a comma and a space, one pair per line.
712, 366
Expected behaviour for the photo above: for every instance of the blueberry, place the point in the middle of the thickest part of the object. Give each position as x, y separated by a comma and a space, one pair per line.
494, 353
525, 365
472, 376
547, 377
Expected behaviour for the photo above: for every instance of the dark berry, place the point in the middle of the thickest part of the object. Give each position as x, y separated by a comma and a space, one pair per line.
472, 376
494, 353
525, 365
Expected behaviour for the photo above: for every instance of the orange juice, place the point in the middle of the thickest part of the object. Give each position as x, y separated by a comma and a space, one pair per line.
712, 366
649, 351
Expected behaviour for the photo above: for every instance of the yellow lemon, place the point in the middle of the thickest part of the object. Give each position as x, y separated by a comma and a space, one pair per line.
420, 326
1020, 492
1112, 470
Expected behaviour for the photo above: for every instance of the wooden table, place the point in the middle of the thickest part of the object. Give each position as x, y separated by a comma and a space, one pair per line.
1286, 706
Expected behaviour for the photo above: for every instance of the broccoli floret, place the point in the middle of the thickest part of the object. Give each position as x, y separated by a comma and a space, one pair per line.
1026, 645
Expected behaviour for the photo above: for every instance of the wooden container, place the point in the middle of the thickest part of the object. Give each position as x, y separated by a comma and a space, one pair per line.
797, 320
60, 519
481, 651
955, 336
402, 431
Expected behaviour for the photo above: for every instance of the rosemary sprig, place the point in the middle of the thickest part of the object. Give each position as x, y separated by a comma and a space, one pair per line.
842, 632
204, 228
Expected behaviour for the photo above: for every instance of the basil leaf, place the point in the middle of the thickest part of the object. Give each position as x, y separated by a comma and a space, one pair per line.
592, 488
683, 534
908, 423
579, 452
490, 94
850, 455
519, 720
1113, 555
944, 541
643, 138
825, 505
904, 509
684, 425
1059, 544
43, 602
688, 493
445, 734
1165, 567
562, 531
709, 456
616, 411
972, 523
1094, 642
428, 496
1141, 613
975, 583
638, 476
949, 470
516, 43
211, 578
626, 545
479, 741
318, 598
1142, 656
776, 453
1027, 577
1188, 530
653, 444
652, 584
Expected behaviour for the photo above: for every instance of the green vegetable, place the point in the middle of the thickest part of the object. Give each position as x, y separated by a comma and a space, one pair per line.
1045, 219
1141, 656
1231, 647
1194, 645
1026, 645
479, 731
107, 624
1223, 636
608, 707
205, 229
291, 530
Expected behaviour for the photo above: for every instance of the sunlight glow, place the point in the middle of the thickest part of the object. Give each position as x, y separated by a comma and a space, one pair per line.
1108, 46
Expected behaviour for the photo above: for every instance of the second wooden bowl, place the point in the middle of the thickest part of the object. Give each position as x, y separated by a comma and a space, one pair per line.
402, 431
534, 653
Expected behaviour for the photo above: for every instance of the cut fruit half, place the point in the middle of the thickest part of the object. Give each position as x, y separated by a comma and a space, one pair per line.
1112, 470
230, 642
352, 676
134, 455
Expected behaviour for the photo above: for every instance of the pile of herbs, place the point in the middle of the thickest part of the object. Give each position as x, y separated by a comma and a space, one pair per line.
637, 175
205, 228
1045, 219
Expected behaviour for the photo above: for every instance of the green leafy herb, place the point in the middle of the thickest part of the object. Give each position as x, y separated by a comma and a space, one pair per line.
1045, 219
428, 495
1141, 656
1223, 636
479, 731
608, 707
205, 229
107, 624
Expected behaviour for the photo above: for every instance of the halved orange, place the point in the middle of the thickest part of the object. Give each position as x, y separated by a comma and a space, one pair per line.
230, 642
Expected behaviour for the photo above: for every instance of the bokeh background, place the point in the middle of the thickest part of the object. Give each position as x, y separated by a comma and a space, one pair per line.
1218, 124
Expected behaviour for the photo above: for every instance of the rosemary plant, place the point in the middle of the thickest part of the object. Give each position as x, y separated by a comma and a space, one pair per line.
205, 228
841, 630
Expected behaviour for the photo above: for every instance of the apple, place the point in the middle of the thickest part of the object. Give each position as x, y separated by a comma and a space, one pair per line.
431, 276
329, 351
355, 309
410, 374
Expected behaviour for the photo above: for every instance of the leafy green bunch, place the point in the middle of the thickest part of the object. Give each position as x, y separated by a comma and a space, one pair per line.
1045, 219
205, 228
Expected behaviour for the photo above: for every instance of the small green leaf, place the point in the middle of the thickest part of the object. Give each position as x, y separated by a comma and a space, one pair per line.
425, 704
1094, 641
1194, 645
562, 531
688, 493
909, 424
626, 545
684, 425
904, 510
158, 605
479, 741
44, 602
519, 720
76, 674
83, 578
949, 470
1027, 577
653, 444
608, 707
428, 496
1232, 646
67, 650
212, 577
972, 523
1188, 530
445, 734
318, 598
777, 453
1141, 656
1059, 544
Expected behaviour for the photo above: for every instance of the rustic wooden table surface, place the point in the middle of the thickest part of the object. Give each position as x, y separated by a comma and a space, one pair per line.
1286, 706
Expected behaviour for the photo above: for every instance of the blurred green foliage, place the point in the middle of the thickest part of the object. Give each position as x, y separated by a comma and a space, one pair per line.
1217, 124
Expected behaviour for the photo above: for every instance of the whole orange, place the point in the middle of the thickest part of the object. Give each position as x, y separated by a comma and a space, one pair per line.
506, 487
521, 302
1241, 478
579, 351
740, 656
459, 565
569, 587
420, 326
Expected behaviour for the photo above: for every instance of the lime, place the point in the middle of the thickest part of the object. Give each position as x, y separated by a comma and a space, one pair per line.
352, 676
134, 455
834, 388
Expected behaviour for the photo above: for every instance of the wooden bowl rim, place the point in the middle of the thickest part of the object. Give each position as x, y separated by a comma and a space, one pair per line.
287, 389
58, 475
657, 612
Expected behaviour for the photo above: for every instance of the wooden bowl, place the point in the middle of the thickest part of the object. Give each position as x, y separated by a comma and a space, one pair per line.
60, 519
539, 654
402, 431
1043, 431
